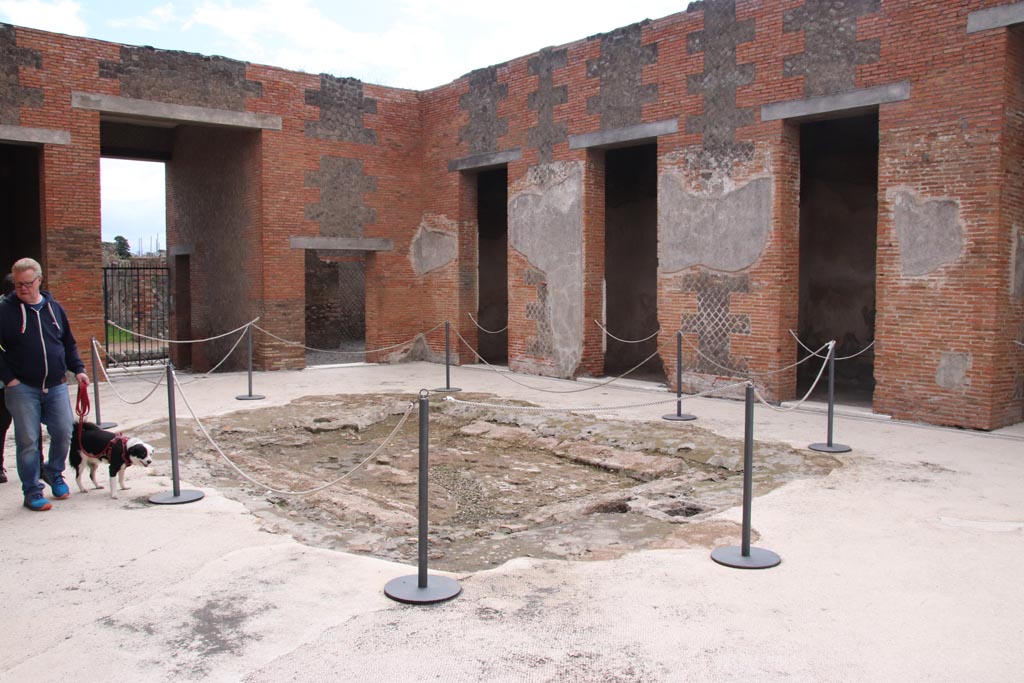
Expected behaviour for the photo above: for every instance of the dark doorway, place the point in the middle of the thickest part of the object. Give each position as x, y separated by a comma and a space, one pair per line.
631, 262
492, 293
19, 205
335, 308
838, 230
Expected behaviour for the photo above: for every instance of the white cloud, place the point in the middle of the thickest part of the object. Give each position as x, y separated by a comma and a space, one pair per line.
157, 19
59, 17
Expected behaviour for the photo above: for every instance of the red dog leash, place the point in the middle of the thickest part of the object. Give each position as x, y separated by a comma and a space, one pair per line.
82, 405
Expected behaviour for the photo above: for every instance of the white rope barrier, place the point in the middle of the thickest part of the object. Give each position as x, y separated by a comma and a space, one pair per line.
817, 353
338, 351
285, 492
180, 341
484, 329
596, 409
627, 341
810, 391
118, 393
230, 351
751, 373
558, 391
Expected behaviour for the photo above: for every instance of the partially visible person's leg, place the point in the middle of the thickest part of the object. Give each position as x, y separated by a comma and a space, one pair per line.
5, 424
23, 402
59, 421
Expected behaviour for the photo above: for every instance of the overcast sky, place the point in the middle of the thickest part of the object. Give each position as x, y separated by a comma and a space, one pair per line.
416, 44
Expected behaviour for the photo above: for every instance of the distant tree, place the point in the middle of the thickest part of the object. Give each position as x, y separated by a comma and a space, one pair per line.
122, 248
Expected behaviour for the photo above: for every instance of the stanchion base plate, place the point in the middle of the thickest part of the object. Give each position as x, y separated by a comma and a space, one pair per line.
406, 589
250, 397
445, 390
685, 417
168, 497
732, 556
107, 425
834, 448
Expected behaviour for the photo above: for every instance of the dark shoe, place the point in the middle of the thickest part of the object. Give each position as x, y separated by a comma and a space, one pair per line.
3, 476
37, 503
44, 476
59, 490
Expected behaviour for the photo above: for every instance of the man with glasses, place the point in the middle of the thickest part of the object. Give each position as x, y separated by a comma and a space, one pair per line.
36, 351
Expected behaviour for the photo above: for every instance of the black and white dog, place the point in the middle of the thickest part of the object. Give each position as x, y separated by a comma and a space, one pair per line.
90, 444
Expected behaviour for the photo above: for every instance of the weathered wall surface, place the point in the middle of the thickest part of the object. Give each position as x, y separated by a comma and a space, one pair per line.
353, 159
545, 226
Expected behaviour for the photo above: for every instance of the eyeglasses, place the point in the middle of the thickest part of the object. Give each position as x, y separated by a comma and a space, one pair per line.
26, 285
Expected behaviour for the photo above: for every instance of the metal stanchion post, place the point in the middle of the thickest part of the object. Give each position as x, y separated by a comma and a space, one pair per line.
448, 388
828, 446
421, 588
679, 415
176, 496
96, 389
745, 557
250, 396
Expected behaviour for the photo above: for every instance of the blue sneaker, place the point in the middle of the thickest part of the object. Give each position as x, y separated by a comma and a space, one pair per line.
59, 490
37, 503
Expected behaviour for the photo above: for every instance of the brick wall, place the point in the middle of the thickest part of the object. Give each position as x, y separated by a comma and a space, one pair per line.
359, 160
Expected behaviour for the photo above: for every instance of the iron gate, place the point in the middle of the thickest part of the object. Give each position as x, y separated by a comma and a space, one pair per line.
136, 298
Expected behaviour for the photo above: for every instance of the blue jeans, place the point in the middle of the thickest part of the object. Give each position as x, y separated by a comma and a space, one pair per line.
30, 406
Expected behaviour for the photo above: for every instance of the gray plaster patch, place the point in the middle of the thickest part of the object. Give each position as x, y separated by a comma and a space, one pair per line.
929, 232
713, 323
1017, 263
545, 223
431, 248
725, 232
953, 369
12, 95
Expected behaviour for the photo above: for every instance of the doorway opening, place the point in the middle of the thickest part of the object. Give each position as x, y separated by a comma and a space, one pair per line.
19, 204
492, 265
335, 308
838, 244
631, 262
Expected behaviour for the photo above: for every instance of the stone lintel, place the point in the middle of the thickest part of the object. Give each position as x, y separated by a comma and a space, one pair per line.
34, 136
995, 17
481, 162
848, 103
138, 111
622, 136
342, 243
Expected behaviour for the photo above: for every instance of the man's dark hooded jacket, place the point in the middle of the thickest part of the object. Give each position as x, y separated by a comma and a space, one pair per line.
37, 346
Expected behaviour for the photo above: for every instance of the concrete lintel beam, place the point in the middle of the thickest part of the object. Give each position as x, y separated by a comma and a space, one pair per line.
849, 103
34, 136
139, 111
482, 162
618, 137
342, 243
995, 17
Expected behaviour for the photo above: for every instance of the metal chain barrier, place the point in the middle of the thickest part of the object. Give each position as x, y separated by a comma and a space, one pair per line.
627, 341
338, 351
558, 391
284, 492
484, 329
818, 352
596, 409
